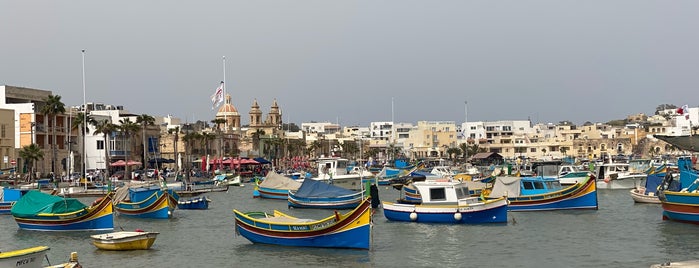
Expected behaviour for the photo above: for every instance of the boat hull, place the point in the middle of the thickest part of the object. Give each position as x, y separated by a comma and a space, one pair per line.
194, 203
489, 211
342, 202
621, 183
94, 218
270, 193
124, 240
5, 207
579, 196
639, 196
157, 206
352, 230
24, 258
679, 206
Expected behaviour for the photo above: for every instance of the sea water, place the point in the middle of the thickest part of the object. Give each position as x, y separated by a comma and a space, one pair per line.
619, 234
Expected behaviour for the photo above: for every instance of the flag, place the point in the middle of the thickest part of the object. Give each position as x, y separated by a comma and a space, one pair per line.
217, 98
684, 110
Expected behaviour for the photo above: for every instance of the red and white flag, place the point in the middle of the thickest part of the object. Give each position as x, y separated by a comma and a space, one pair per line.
217, 98
684, 110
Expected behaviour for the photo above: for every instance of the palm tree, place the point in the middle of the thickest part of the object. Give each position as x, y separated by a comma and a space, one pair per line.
31, 153
176, 132
128, 128
53, 107
256, 138
206, 139
82, 121
145, 121
189, 139
315, 146
105, 127
464, 149
453, 152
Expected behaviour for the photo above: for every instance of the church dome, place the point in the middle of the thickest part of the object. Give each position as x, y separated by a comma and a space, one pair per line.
227, 108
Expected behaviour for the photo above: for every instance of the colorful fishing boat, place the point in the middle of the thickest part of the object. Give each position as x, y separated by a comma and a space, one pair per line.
24, 258
44, 212
648, 193
145, 201
275, 186
124, 240
447, 201
8, 197
349, 230
545, 193
318, 194
201, 202
159, 205
681, 205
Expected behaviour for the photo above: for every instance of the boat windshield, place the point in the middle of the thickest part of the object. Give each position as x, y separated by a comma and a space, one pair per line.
461, 192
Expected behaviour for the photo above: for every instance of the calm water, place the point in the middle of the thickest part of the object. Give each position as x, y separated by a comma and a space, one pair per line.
619, 234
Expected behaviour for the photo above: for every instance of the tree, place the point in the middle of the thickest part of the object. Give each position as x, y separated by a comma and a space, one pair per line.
176, 131
31, 153
82, 121
145, 121
256, 138
464, 149
453, 152
52, 108
105, 127
315, 147
127, 129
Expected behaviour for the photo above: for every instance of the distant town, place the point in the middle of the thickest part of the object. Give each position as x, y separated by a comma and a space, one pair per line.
38, 132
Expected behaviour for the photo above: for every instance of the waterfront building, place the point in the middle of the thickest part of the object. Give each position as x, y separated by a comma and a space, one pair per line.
431, 139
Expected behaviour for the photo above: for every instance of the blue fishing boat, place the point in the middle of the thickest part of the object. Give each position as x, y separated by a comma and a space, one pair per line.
349, 230
275, 186
201, 202
8, 197
148, 201
544, 191
45, 212
318, 194
447, 201
682, 203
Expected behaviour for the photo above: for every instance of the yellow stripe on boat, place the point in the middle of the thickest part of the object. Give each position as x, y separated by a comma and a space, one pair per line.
21, 252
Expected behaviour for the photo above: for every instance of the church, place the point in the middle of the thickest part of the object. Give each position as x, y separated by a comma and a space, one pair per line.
247, 138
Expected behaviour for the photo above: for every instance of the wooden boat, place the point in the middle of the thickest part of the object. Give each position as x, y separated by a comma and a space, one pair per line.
44, 212
544, 193
201, 202
648, 193
8, 197
159, 205
350, 230
318, 194
333, 170
124, 240
681, 205
276, 186
24, 258
447, 201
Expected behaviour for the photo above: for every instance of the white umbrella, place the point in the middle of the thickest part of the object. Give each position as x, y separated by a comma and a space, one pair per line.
179, 161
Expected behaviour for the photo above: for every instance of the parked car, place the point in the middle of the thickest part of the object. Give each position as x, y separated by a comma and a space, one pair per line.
119, 175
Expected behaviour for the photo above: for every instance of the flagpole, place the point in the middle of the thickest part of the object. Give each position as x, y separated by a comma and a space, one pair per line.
225, 115
84, 169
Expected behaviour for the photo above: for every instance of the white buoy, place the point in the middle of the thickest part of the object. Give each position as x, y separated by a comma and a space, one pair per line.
413, 216
457, 216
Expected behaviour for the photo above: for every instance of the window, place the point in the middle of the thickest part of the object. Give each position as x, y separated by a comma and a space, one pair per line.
528, 185
100, 145
461, 192
437, 194
538, 185
533, 150
2, 131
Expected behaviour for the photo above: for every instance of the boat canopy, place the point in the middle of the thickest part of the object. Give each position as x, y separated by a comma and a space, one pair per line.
36, 202
506, 186
274, 180
314, 188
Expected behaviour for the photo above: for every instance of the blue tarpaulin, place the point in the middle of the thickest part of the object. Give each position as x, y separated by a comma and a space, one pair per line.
261, 160
314, 188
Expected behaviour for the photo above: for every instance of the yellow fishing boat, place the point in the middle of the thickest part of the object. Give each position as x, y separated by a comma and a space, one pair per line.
124, 240
24, 258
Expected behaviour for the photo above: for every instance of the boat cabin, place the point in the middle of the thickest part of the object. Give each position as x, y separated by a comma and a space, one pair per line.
332, 166
539, 185
442, 192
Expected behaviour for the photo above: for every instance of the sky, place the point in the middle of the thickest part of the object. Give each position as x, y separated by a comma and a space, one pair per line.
354, 62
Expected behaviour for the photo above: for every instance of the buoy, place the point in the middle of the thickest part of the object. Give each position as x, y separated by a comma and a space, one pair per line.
606, 179
413, 216
457, 216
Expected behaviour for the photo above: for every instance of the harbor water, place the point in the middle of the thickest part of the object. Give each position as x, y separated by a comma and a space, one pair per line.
619, 234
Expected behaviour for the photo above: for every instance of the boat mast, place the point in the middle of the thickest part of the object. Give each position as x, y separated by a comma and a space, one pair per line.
84, 158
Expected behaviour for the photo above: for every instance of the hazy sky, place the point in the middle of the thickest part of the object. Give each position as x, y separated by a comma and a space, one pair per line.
345, 61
